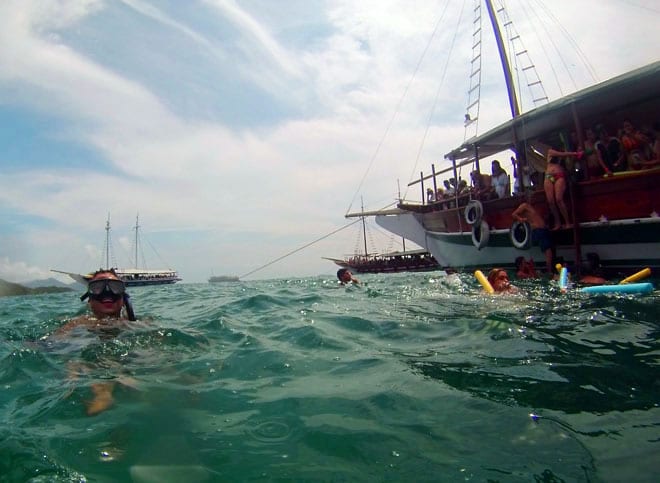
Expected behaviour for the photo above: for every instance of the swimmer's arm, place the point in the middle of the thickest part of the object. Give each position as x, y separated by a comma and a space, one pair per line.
70, 325
518, 213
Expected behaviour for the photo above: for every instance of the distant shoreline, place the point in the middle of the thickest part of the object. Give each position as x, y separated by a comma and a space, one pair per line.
9, 289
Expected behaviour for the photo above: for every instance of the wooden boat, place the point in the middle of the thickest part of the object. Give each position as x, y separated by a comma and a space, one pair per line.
390, 262
615, 216
131, 276
408, 261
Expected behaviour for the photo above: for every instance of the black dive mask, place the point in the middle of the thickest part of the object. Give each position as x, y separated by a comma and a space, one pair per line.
105, 288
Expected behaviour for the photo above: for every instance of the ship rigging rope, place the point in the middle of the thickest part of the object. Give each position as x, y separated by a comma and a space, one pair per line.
398, 107
437, 96
571, 40
301, 248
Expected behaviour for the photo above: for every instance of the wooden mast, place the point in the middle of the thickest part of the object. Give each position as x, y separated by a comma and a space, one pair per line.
508, 78
136, 240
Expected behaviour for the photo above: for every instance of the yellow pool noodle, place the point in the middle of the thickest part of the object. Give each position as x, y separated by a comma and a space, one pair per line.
637, 276
484, 281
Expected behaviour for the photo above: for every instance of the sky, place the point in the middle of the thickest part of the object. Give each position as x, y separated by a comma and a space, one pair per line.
242, 132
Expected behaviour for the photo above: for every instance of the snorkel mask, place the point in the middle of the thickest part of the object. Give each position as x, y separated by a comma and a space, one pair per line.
104, 288
109, 288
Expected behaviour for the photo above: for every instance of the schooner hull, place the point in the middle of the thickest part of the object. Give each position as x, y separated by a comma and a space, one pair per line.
626, 246
618, 220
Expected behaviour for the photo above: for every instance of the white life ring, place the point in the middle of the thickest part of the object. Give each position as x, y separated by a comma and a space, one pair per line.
480, 234
474, 210
521, 235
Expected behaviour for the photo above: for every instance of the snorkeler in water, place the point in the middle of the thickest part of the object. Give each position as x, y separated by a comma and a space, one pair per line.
107, 300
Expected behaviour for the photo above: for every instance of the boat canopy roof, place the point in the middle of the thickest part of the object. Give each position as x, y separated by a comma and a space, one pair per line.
616, 97
143, 271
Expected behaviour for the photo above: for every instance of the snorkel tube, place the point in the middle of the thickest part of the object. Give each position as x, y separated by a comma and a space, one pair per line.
129, 307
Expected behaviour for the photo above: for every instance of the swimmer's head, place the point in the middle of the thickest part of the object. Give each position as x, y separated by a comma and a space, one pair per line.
344, 275
106, 293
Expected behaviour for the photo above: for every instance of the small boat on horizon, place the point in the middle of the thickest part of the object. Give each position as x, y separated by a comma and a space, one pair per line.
223, 278
132, 277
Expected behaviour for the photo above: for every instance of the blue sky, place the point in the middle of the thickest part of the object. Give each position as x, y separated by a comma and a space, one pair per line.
241, 130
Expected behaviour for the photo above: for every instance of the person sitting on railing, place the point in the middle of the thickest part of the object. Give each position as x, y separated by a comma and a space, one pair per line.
430, 196
463, 192
596, 165
450, 194
610, 150
500, 180
482, 188
449, 191
636, 145
654, 159
522, 179
651, 149
440, 196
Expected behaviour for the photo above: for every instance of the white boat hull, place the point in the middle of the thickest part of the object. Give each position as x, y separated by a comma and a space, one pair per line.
617, 242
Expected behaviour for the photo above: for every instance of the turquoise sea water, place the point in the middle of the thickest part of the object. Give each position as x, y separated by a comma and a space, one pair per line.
411, 377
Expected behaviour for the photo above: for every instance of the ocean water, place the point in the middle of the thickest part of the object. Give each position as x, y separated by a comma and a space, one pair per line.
410, 377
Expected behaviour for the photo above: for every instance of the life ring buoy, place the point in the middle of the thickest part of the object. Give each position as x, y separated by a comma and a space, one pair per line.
521, 235
474, 210
480, 234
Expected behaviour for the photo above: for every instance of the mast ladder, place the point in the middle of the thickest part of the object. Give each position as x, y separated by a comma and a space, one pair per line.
472, 112
522, 64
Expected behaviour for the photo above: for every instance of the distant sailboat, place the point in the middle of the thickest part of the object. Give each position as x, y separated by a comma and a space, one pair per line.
131, 276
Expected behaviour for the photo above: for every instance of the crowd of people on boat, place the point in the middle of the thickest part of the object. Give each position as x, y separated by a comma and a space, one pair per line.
393, 263
594, 155
484, 187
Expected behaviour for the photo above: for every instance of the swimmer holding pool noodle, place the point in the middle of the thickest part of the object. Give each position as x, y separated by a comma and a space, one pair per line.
481, 278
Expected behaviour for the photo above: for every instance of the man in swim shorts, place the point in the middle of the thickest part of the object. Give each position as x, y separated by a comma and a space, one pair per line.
541, 236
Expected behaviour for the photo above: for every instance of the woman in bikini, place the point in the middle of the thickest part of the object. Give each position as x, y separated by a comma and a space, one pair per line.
555, 186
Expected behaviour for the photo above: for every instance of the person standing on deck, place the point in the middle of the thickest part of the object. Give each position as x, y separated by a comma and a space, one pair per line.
555, 184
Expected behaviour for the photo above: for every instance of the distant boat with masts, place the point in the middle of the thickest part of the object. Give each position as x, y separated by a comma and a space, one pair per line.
131, 276
387, 262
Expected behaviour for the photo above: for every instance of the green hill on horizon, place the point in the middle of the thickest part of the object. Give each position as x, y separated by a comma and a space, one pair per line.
9, 289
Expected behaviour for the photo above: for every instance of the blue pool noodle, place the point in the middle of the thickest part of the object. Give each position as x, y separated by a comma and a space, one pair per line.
563, 278
645, 287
